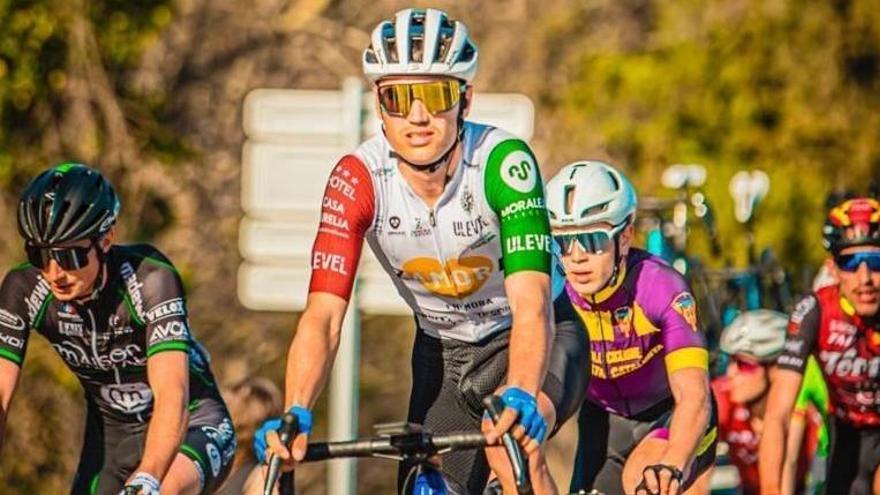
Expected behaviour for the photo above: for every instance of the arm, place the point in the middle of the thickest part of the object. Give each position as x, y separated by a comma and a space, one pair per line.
311, 354
168, 375
9, 373
531, 334
514, 191
796, 430
690, 389
784, 386
14, 333
346, 214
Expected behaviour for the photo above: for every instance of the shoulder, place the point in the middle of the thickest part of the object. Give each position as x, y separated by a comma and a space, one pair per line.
656, 284
493, 145
373, 154
141, 259
20, 277
810, 304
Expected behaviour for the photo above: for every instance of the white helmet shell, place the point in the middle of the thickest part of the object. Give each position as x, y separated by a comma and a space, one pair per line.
759, 334
420, 42
589, 192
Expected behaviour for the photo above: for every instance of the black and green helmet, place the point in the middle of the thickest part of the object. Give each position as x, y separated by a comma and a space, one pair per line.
66, 203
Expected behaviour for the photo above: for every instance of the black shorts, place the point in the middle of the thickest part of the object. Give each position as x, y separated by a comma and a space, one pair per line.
854, 458
606, 440
112, 450
451, 378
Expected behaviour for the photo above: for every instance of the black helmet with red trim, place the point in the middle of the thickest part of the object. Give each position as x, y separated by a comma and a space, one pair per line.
854, 222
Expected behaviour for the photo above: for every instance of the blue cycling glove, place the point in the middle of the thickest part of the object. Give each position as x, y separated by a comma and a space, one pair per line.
304, 422
526, 406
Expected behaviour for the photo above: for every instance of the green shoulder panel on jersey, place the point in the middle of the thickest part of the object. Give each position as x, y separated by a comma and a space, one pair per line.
21, 266
515, 192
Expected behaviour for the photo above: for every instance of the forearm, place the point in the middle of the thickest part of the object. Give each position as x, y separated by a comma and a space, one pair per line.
792, 449
530, 340
689, 420
164, 435
309, 361
770, 453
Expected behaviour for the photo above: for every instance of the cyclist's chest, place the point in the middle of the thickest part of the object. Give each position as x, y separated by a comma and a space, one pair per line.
101, 335
457, 239
848, 351
622, 338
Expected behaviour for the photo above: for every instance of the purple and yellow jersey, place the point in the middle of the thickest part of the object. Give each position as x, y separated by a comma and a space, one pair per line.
641, 329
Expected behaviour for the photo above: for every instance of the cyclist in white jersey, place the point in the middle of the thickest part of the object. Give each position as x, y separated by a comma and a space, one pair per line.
455, 213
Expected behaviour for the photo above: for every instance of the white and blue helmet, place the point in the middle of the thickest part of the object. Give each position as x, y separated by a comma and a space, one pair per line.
421, 42
588, 192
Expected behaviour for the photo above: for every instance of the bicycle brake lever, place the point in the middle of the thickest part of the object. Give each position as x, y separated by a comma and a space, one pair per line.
286, 433
495, 406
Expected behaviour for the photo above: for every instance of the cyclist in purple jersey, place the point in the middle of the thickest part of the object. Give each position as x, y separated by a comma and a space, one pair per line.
638, 433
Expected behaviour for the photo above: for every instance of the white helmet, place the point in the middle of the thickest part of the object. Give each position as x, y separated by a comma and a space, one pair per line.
759, 334
597, 192
420, 42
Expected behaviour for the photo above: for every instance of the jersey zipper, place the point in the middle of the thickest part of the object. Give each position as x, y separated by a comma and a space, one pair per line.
608, 376
94, 339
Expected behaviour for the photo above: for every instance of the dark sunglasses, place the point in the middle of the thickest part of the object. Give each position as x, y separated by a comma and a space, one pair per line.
68, 258
851, 262
593, 242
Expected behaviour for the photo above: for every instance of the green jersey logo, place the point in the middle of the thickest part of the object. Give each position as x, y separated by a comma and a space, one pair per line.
519, 171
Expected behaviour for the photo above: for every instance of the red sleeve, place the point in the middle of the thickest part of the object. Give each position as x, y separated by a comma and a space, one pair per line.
721, 390
346, 214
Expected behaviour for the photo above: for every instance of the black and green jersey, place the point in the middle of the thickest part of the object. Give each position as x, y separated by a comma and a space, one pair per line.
106, 341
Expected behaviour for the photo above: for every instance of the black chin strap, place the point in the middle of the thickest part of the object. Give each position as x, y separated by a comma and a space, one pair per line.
102, 275
612, 280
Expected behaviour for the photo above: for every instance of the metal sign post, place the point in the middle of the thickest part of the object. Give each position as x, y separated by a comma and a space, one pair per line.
295, 137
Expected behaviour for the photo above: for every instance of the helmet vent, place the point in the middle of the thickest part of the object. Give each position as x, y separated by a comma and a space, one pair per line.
417, 49
568, 194
594, 210
467, 53
391, 49
615, 181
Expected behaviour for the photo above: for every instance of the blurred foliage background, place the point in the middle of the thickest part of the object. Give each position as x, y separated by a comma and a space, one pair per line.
151, 92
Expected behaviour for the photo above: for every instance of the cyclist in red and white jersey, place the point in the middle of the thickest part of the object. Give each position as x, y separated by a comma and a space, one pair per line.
753, 340
454, 211
838, 325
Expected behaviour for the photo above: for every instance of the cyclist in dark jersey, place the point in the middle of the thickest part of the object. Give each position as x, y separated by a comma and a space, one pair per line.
647, 425
838, 324
117, 317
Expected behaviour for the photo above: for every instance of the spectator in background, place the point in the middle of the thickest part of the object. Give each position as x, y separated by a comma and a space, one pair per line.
251, 401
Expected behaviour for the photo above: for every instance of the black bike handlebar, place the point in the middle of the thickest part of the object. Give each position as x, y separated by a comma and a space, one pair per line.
412, 444
396, 445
